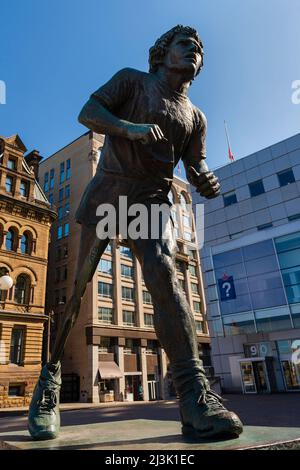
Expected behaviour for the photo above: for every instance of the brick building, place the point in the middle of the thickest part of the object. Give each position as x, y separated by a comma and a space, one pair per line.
25, 220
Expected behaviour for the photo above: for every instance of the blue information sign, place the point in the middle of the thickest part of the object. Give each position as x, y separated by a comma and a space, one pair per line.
226, 288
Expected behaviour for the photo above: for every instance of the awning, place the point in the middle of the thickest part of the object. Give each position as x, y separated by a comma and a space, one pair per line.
109, 370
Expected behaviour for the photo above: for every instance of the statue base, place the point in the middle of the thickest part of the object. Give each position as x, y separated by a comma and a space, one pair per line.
142, 434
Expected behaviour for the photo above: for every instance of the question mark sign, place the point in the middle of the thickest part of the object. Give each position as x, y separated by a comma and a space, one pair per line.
227, 287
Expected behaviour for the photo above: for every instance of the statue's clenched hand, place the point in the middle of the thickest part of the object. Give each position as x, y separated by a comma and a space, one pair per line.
206, 183
145, 133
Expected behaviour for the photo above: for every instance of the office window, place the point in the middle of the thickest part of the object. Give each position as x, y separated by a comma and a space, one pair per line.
66, 230
105, 289
59, 232
148, 320
61, 194
24, 188
194, 288
16, 346
11, 164
52, 178
67, 191
67, 209
192, 269
180, 266
196, 306
127, 271
60, 213
62, 172
68, 175
199, 326
288, 250
46, 182
243, 323
192, 254
105, 315
105, 266
125, 251
128, 293
9, 182
273, 319
186, 221
51, 199
147, 299
286, 177
256, 188
128, 318
106, 345
130, 346
187, 236
229, 198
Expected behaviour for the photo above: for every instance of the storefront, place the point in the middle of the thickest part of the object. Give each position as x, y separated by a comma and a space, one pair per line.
271, 366
110, 374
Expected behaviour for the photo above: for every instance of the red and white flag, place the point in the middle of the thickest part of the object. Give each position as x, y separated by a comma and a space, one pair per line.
230, 154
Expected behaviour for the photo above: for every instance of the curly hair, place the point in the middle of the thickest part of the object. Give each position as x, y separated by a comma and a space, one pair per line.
158, 51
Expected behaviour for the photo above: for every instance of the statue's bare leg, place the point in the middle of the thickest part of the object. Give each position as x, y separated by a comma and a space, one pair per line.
44, 419
202, 412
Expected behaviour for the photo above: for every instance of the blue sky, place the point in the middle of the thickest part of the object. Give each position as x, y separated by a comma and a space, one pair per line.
54, 53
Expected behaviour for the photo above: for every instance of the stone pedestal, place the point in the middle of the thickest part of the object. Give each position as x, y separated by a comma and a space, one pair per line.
143, 434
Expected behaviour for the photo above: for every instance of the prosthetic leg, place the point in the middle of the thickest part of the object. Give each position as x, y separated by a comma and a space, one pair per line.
44, 418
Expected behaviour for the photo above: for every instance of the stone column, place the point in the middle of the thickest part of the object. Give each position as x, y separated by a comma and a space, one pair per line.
117, 285
163, 374
144, 369
120, 361
93, 376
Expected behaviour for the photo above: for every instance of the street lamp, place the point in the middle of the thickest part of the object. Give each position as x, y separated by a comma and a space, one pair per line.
6, 282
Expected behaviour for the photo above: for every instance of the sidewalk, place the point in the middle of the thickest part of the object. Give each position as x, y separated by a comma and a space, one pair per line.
84, 406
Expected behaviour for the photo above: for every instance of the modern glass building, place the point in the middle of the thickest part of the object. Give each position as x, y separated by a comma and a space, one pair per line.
251, 259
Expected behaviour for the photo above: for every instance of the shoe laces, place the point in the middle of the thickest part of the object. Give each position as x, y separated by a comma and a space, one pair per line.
212, 399
48, 400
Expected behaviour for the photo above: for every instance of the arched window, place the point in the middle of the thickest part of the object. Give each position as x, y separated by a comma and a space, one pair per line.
183, 201
26, 243
22, 289
10, 240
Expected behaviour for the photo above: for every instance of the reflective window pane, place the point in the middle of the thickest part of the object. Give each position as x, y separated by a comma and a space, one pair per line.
273, 320
228, 258
257, 250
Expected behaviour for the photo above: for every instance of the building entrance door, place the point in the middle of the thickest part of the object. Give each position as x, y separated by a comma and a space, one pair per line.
254, 376
291, 374
260, 375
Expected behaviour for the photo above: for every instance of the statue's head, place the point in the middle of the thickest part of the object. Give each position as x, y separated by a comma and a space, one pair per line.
181, 42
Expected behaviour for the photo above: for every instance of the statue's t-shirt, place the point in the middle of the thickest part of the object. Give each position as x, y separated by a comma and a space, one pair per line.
140, 97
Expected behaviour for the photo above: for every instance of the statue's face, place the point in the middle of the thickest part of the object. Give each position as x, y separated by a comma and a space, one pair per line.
184, 55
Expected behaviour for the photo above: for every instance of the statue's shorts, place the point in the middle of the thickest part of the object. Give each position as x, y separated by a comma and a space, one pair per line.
106, 188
